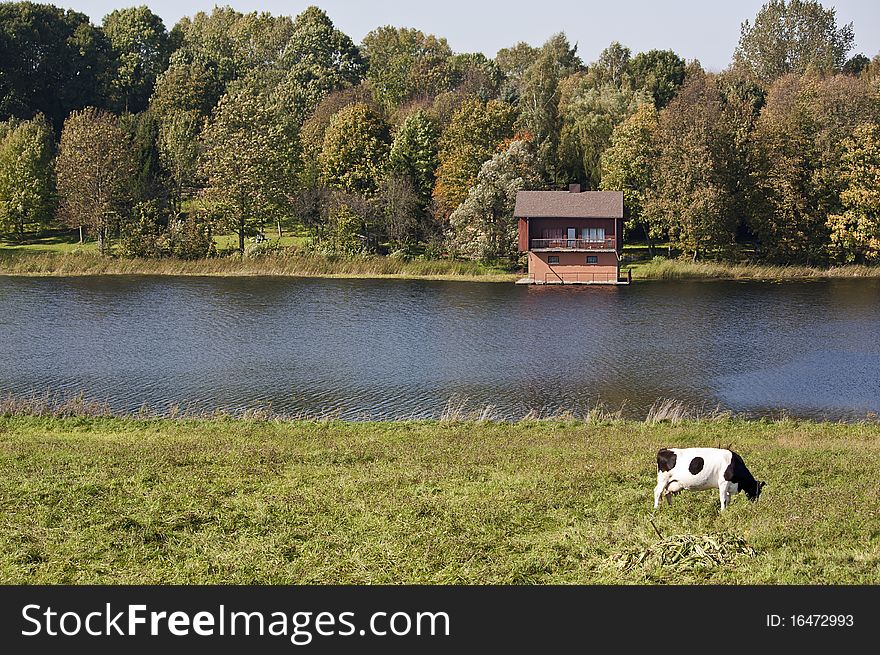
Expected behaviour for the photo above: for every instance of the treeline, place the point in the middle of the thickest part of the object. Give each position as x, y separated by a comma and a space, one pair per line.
154, 141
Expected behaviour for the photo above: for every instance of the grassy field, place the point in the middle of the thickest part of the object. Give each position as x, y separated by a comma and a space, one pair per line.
120, 500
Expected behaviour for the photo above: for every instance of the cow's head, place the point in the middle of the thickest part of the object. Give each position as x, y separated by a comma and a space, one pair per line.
752, 492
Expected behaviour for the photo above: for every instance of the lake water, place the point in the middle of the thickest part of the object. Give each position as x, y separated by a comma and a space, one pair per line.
393, 349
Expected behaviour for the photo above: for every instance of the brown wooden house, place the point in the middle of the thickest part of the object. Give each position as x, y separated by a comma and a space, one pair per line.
571, 237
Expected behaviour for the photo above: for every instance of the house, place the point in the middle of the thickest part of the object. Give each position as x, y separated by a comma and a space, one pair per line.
571, 237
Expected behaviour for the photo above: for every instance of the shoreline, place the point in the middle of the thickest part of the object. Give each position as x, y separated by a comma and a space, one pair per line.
48, 264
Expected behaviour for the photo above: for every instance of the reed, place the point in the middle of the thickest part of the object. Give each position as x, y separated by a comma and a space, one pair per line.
280, 263
677, 269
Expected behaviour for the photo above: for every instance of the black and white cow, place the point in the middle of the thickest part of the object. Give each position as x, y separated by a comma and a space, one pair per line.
703, 468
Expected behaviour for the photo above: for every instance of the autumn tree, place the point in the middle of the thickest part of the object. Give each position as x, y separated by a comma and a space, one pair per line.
249, 163
414, 153
627, 165
95, 172
855, 232
473, 136
26, 175
513, 63
141, 48
691, 191
483, 227
355, 150
798, 151
793, 37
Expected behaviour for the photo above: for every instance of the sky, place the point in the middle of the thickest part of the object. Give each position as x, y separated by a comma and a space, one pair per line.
707, 30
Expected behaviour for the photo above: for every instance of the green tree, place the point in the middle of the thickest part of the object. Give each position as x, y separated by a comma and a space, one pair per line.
793, 37
26, 175
249, 163
612, 67
483, 227
540, 98
95, 171
627, 165
404, 63
513, 63
144, 130
179, 147
472, 137
660, 73
53, 61
691, 192
319, 59
414, 153
141, 47
855, 232
588, 120
355, 150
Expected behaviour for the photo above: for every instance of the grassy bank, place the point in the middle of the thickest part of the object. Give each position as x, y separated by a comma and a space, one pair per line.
111, 500
677, 269
284, 263
65, 259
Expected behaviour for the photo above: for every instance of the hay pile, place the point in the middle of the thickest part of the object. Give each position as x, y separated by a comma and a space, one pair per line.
687, 552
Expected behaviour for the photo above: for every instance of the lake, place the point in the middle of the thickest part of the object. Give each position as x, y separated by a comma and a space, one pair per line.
398, 349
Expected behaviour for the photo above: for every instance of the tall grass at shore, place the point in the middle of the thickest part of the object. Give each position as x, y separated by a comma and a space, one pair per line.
283, 263
93, 499
678, 269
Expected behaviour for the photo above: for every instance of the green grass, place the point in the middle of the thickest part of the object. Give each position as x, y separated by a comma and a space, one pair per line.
122, 500
678, 269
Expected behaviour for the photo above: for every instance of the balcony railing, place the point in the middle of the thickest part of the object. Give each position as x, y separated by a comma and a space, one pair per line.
608, 243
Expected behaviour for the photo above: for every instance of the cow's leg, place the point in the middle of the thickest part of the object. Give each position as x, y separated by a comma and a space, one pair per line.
724, 493
658, 490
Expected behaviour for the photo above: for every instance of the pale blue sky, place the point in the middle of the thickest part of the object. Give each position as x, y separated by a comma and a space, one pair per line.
700, 29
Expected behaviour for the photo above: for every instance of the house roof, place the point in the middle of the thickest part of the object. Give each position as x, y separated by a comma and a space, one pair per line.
563, 204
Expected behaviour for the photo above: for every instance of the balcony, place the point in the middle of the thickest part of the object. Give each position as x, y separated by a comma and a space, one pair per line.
573, 245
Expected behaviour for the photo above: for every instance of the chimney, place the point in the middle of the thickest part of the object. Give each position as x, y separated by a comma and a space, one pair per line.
574, 188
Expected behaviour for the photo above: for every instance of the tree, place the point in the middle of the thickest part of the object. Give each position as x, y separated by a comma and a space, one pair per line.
53, 61
472, 137
414, 153
793, 37
691, 190
319, 59
798, 151
249, 163
627, 165
855, 232
179, 147
404, 220
141, 48
483, 227
355, 150
513, 63
588, 120
26, 175
144, 130
95, 173
404, 63
612, 67
660, 73
540, 97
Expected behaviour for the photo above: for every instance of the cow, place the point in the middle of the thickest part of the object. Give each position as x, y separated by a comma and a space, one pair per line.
703, 468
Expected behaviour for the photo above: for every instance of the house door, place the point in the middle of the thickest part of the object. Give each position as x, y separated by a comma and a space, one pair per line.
572, 235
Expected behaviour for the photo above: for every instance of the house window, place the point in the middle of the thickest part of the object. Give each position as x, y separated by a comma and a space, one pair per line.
592, 259
553, 259
593, 234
